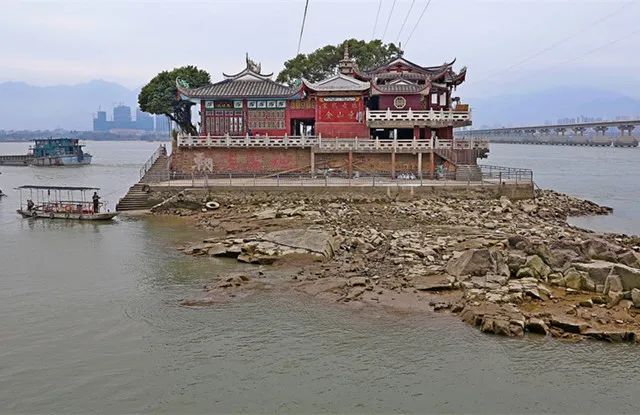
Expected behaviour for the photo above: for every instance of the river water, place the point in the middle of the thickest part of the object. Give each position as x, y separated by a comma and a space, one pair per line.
90, 322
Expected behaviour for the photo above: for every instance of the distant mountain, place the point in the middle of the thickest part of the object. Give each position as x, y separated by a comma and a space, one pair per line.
551, 105
28, 107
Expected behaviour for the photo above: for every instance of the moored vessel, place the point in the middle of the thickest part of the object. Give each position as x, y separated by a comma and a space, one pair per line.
62, 202
59, 152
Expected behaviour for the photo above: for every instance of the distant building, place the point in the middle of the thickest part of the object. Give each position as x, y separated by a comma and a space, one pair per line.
144, 121
162, 123
100, 123
122, 120
122, 117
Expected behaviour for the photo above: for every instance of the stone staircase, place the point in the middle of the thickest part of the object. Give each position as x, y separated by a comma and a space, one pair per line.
158, 172
136, 199
156, 169
468, 173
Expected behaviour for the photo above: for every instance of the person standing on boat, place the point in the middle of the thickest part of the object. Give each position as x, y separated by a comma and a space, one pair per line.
96, 202
30, 205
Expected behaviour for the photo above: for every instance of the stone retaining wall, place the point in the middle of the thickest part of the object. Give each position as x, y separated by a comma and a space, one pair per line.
473, 191
258, 160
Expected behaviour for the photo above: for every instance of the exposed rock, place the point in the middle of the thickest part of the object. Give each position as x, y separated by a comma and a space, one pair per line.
558, 258
198, 249
635, 297
472, 262
465, 251
630, 277
597, 270
354, 293
536, 268
611, 336
266, 214
311, 240
519, 242
630, 258
613, 283
568, 325
578, 280
515, 261
432, 283
536, 325
600, 249
358, 281
219, 249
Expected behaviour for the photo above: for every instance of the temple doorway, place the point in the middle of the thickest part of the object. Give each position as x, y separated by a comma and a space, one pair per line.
304, 127
391, 133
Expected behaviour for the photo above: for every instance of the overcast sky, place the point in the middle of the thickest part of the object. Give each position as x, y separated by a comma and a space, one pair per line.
67, 42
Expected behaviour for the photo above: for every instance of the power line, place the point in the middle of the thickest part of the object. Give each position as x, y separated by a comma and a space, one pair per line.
375, 24
413, 2
592, 51
304, 19
596, 49
386, 26
417, 23
558, 43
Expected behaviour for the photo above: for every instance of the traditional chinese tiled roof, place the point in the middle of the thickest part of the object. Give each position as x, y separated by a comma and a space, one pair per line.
232, 88
401, 68
427, 70
337, 82
246, 83
248, 74
399, 88
413, 76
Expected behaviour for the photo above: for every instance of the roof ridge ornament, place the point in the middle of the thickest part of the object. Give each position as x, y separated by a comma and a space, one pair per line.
182, 83
252, 65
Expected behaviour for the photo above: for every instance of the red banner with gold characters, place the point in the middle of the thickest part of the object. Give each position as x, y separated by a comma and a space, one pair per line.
340, 109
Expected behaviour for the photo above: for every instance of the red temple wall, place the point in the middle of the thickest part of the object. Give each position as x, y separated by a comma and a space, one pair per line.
241, 160
413, 101
342, 130
273, 160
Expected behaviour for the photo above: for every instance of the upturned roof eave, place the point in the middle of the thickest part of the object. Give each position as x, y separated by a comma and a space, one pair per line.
359, 86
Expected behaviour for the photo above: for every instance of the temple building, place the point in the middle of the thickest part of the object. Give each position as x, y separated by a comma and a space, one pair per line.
246, 119
399, 99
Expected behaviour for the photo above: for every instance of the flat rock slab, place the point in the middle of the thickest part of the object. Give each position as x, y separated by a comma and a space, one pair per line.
432, 283
613, 336
312, 240
569, 325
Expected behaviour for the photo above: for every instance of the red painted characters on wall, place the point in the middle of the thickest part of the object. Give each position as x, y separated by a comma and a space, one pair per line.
340, 109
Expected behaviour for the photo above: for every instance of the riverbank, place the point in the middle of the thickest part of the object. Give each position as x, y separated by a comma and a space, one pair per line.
509, 268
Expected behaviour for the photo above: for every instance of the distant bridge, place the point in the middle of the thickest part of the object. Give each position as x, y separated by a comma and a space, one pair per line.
587, 133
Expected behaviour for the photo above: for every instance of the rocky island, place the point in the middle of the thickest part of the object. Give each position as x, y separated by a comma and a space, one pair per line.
507, 267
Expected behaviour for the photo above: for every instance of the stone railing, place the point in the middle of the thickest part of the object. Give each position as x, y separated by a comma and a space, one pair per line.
247, 141
329, 144
410, 117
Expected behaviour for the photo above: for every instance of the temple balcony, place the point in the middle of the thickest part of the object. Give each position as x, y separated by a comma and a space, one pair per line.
409, 118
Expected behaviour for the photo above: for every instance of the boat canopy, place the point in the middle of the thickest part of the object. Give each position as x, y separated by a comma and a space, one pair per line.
81, 188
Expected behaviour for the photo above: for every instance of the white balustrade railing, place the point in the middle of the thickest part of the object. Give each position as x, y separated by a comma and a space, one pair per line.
418, 116
328, 144
247, 141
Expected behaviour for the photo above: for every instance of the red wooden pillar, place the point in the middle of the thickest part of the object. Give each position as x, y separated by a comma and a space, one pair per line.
416, 132
350, 165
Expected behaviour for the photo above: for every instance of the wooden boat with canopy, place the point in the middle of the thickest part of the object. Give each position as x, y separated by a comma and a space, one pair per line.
61, 202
